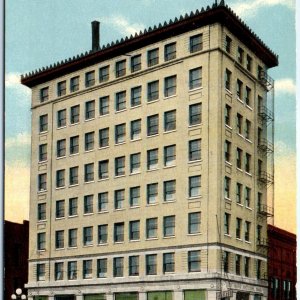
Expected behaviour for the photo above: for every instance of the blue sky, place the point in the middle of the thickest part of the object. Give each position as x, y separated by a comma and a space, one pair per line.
39, 33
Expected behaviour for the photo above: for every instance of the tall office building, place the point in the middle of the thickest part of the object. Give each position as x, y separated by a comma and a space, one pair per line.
152, 164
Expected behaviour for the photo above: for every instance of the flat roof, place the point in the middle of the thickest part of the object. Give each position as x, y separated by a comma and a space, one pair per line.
218, 13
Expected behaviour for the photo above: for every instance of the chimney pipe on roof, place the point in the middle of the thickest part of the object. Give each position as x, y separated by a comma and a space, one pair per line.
95, 35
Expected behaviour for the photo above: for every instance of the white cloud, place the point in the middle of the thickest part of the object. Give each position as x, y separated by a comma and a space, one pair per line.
22, 139
13, 81
123, 25
250, 8
285, 85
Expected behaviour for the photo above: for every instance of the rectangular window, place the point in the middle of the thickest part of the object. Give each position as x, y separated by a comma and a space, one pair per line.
227, 150
227, 115
74, 84
44, 94
152, 125
170, 51
87, 236
118, 266
226, 261
40, 272
135, 196
151, 228
88, 204
258, 232
151, 264
61, 118
42, 152
153, 91
120, 166
119, 199
195, 114
134, 230
170, 120
239, 187
239, 89
87, 269
43, 123
73, 205
133, 265
194, 260
103, 169
169, 226
72, 242
152, 193
237, 264
104, 74
89, 110
120, 101
135, 163
120, 133
227, 79
247, 231
104, 106
136, 63
239, 154
74, 144
59, 239
239, 122
195, 150
89, 172
102, 234
61, 88
249, 63
247, 129
120, 68
169, 155
135, 129
152, 159
228, 42
246, 266
61, 148
89, 141
42, 182
247, 196
60, 209
73, 175
89, 78
136, 93
59, 271
103, 201
240, 55
41, 212
74, 114
168, 262
119, 232
194, 186
102, 267
195, 78
153, 58
72, 270
41, 241
227, 223
248, 96
60, 178
258, 269
170, 85
238, 228
196, 43
248, 163
227, 182
194, 223
170, 190
104, 137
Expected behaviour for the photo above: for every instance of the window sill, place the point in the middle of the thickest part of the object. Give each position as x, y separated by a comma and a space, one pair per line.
240, 170
169, 201
151, 239
228, 163
195, 161
116, 243
249, 208
42, 191
240, 204
249, 107
86, 246
199, 197
60, 188
196, 89
119, 209
169, 131
88, 182
62, 127
121, 143
152, 101
103, 212
102, 244
88, 120
151, 204
135, 173
41, 221
249, 174
72, 247
134, 241
168, 167
88, 214
248, 242
227, 199
240, 100
151, 170
103, 179
41, 250
58, 249
194, 234
74, 154
101, 116
135, 106
135, 140
194, 125
87, 151
59, 218
169, 97
169, 237
134, 207
104, 147
239, 239
72, 185
247, 140
43, 132
73, 124
119, 176
228, 91
152, 135
228, 235
73, 216
239, 134
120, 111
60, 157
42, 162
228, 127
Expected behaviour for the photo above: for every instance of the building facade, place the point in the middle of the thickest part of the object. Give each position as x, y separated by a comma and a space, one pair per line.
149, 179
282, 270
16, 237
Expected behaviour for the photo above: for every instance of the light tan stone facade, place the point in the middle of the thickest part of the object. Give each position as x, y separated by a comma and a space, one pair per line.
168, 203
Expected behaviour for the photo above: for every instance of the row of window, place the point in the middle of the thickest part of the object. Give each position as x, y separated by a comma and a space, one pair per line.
238, 227
121, 68
118, 232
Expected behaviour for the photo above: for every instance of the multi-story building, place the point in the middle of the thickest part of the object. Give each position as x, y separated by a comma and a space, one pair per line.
149, 169
282, 270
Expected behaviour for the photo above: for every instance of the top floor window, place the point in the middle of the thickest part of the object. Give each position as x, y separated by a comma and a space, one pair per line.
170, 51
61, 88
74, 84
196, 43
153, 57
104, 74
121, 68
89, 78
249, 63
136, 63
44, 94
240, 55
228, 42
